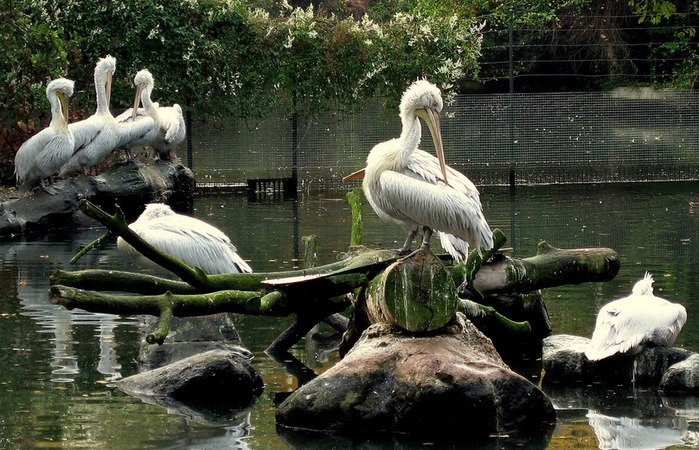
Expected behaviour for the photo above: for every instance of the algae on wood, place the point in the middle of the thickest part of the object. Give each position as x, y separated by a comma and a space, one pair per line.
415, 293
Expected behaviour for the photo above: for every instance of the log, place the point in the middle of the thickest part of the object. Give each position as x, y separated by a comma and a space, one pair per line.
132, 184
550, 267
415, 294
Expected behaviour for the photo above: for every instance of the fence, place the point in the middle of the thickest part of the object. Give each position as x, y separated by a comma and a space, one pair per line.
619, 136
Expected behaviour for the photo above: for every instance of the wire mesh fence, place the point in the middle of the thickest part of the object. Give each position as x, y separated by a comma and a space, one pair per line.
619, 136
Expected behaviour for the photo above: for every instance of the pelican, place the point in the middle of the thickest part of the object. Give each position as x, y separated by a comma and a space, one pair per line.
410, 188
169, 130
192, 241
42, 155
99, 134
627, 325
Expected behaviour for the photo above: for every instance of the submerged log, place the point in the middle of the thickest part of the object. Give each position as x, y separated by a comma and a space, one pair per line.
132, 184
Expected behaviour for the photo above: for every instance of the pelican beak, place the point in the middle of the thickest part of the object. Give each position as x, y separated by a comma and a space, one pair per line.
108, 88
358, 175
63, 99
137, 100
431, 118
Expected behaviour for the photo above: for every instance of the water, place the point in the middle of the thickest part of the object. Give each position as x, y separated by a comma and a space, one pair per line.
58, 365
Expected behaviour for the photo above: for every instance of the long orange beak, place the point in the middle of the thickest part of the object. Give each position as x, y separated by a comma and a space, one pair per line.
358, 175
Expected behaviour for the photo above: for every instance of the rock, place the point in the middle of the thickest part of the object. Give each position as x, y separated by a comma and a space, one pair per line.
431, 385
201, 371
190, 336
216, 380
682, 377
565, 363
131, 185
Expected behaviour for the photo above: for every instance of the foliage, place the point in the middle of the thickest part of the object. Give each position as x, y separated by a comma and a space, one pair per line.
226, 58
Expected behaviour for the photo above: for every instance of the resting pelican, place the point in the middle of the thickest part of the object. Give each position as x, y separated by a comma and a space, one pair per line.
99, 134
627, 325
190, 240
418, 192
169, 130
42, 155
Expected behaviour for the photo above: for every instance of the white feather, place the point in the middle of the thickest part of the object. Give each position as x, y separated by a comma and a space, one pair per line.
627, 325
192, 241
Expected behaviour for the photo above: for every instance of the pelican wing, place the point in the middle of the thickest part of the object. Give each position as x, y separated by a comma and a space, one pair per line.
628, 324
194, 242
437, 206
425, 166
173, 124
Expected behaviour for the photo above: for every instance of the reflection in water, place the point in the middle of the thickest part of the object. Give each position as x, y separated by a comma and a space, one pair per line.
637, 433
32, 288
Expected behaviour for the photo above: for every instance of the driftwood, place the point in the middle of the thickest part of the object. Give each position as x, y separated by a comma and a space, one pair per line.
315, 294
128, 183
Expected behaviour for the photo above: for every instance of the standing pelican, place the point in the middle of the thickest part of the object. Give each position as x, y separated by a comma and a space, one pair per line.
418, 192
169, 130
143, 80
627, 325
42, 155
99, 134
190, 240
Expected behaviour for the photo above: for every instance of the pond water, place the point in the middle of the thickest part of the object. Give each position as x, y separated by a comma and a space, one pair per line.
58, 366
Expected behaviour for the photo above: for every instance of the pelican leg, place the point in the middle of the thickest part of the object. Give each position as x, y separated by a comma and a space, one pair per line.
426, 235
405, 249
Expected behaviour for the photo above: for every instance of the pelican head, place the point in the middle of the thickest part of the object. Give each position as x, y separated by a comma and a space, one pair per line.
155, 210
104, 71
644, 286
424, 101
143, 82
63, 88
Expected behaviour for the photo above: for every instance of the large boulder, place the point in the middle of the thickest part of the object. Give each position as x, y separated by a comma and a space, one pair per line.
565, 363
432, 385
682, 377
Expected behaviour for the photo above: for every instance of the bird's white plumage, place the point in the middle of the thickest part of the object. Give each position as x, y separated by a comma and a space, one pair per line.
169, 127
42, 155
98, 135
406, 186
627, 325
192, 241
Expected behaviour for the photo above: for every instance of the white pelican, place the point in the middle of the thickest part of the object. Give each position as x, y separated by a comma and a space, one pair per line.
99, 134
169, 130
627, 325
42, 155
190, 240
418, 192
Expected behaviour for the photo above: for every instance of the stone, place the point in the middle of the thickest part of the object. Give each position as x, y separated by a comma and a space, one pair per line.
430, 385
682, 377
565, 363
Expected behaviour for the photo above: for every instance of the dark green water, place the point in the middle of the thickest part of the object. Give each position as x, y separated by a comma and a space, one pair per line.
57, 365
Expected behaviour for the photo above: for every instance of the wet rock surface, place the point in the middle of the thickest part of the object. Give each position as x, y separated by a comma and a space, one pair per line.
433, 385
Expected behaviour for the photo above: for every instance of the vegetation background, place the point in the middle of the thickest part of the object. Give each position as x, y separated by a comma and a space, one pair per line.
251, 58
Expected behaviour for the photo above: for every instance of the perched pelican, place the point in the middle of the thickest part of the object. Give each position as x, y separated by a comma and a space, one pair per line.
190, 240
169, 130
418, 192
42, 155
99, 134
627, 325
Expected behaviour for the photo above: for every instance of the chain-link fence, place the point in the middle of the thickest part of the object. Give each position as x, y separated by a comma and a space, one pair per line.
623, 135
